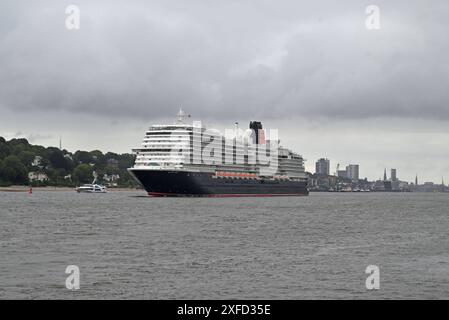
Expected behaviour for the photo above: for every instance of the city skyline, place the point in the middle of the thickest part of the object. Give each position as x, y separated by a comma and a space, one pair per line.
322, 167
307, 168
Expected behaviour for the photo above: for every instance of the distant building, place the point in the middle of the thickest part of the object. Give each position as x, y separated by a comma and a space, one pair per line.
404, 186
428, 187
37, 176
352, 172
393, 175
111, 179
342, 174
312, 181
379, 185
37, 161
318, 182
322, 167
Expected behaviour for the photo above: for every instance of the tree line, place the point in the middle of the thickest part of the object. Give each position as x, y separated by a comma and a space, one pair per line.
60, 167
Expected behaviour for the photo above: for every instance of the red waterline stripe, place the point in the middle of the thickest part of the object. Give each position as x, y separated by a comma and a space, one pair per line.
161, 194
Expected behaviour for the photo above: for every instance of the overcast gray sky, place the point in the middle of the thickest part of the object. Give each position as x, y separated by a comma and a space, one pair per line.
333, 88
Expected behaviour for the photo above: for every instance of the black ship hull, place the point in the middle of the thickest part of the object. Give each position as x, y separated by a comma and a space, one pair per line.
165, 183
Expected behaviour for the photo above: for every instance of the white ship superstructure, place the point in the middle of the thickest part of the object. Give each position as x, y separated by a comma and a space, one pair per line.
182, 146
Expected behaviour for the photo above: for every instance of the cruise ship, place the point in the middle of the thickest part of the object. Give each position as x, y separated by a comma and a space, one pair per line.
187, 159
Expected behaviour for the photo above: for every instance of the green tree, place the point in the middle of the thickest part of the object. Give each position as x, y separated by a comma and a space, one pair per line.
82, 157
83, 173
111, 155
97, 156
5, 150
57, 159
26, 157
126, 161
3, 183
19, 145
12, 170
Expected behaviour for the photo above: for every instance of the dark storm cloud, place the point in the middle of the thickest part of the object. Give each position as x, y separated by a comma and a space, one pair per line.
219, 59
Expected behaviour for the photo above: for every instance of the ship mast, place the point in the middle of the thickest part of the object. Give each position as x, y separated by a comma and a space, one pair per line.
181, 116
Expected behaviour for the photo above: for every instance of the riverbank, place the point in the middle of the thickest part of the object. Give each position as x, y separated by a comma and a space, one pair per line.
27, 189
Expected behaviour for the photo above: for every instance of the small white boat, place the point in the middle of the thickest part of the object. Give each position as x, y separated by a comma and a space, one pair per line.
91, 188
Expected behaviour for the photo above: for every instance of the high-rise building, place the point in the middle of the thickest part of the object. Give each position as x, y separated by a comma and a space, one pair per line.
352, 172
385, 174
322, 167
342, 174
393, 175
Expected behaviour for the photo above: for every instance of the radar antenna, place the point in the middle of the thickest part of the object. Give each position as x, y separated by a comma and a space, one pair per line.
180, 117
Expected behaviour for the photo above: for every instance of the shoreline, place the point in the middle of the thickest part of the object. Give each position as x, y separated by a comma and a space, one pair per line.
55, 189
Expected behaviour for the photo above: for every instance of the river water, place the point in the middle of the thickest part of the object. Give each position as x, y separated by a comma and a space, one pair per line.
129, 246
